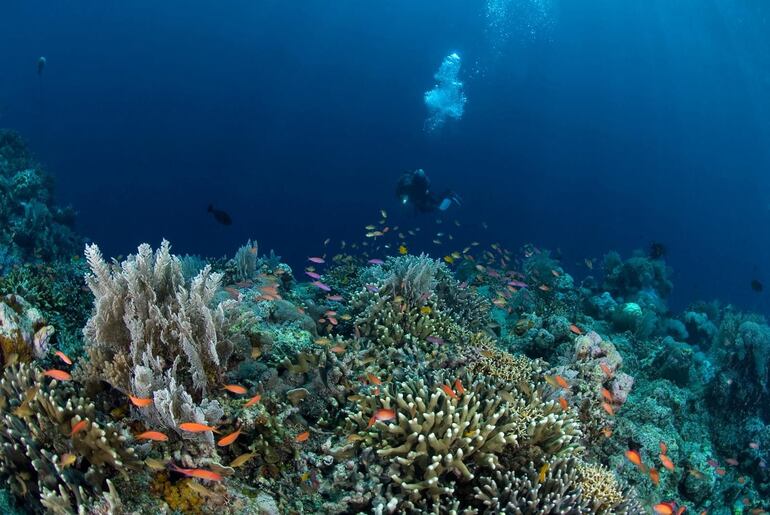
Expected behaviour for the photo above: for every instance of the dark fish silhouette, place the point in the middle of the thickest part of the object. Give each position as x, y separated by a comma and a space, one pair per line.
756, 286
220, 216
41, 65
657, 250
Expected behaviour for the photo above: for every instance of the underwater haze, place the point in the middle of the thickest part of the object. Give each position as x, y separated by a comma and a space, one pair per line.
553, 204
589, 126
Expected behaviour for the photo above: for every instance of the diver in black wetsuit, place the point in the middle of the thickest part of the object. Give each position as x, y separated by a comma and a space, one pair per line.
414, 188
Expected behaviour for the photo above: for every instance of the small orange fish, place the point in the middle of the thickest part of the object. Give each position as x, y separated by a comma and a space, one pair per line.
561, 382
63, 357
732, 462
235, 388
543, 287
384, 414
199, 473
654, 476
607, 395
634, 457
563, 403
80, 426
607, 431
139, 402
302, 437
555, 273
575, 329
372, 420
664, 508
448, 390
251, 402
227, 440
155, 436
337, 349
663, 447
720, 471
666, 461
59, 375
194, 427
608, 408
459, 387
606, 369
373, 379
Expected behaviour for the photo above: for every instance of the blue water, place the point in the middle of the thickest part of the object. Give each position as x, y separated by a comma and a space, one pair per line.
589, 126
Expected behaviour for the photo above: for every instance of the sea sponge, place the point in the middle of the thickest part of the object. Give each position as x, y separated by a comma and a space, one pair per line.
37, 418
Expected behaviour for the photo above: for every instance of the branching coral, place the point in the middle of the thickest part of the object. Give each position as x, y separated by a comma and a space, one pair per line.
152, 335
441, 432
42, 458
485, 359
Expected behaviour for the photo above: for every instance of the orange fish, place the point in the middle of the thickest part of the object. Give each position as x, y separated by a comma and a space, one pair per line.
543, 287
252, 401
373, 379
63, 357
194, 427
607, 395
634, 457
575, 329
607, 431
655, 476
235, 388
139, 402
608, 408
448, 390
78, 427
459, 387
563, 403
664, 508
720, 471
227, 440
663, 447
666, 461
302, 437
155, 436
384, 414
337, 349
561, 382
59, 375
606, 369
199, 473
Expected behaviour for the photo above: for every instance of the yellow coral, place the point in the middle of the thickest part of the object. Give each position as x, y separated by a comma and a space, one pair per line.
179, 496
600, 486
499, 364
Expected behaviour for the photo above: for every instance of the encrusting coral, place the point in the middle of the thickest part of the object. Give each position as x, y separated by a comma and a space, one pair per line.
57, 452
154, 336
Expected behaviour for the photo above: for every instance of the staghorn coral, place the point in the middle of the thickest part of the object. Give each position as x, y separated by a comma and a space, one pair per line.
36, 434
152, 335
436, 439
24, 333
524, 492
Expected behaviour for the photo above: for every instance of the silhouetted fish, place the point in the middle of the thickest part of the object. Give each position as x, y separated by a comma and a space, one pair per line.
657, 250
220, 216
756, 286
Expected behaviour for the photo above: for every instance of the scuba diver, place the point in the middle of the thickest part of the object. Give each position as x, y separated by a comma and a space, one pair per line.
414, 188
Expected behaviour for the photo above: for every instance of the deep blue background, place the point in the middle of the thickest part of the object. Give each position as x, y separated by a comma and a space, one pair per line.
620, 123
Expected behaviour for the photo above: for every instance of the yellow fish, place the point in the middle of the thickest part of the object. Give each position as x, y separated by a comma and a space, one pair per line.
449, 259
402, 250
67, 460
543, 472
242, 459
425, 310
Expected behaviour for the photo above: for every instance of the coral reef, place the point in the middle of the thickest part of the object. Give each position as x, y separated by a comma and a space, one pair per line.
154, 336
57, 451
24, 333
32, 228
